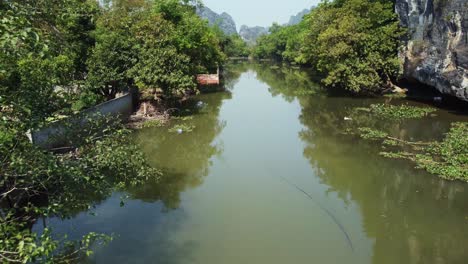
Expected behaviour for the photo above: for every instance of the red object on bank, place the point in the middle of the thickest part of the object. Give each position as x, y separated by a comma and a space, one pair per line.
208, 79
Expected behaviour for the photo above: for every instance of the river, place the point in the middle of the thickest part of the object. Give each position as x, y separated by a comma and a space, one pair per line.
266, 176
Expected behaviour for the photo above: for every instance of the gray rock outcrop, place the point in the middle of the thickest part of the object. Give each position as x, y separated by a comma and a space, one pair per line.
294, 20
224, 21
251, 34
436, 51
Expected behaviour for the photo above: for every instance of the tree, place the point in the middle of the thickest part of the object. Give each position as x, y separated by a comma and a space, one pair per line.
114, 53
40, 52
49, 50
236, 47
283, 43
354, 43
44, 44
35, 183
160, 65
231, 45
159, 45
194, 37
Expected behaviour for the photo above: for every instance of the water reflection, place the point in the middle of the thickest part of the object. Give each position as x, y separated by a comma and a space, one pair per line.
185, 159
134, 227
241, 211
413, 217
152, 213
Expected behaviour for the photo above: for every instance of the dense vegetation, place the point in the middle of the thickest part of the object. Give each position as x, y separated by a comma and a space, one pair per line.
353, 44
156, 46
60, 56
235, 47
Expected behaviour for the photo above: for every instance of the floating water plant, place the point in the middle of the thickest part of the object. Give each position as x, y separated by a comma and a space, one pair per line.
153, 123
181, 128
447, 158
396, 112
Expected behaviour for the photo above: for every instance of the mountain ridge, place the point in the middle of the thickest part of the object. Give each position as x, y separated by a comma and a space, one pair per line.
224, 20
249, 34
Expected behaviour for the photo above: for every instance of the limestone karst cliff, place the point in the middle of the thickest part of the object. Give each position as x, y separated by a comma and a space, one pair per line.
224, 21
251, 34
436, 51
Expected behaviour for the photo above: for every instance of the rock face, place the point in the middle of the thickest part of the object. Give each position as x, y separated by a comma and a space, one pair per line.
294, 20
224, 21
436, 51
251, 34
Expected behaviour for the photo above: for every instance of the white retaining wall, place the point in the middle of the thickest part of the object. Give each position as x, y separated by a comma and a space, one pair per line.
52, 135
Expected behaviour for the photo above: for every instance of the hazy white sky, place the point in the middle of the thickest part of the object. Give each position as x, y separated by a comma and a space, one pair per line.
259, 12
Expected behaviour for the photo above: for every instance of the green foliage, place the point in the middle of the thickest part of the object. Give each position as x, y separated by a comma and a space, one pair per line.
283, 43
182, 118
61, 56
24, 247
356, 48
153, 123
353, 44
448, 158
396, 112
111, 58
35, 183
181, 128
271, 46
28, 247
86, 99
42, 52
160, 65
235, 46
158, 45
369, 133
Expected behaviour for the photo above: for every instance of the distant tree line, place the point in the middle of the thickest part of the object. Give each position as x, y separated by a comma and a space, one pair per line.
352, 44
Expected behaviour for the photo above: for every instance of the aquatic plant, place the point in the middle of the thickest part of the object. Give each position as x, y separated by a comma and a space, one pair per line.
448, 158
154, 123
396, 112
182, 118
368, 133
181, 128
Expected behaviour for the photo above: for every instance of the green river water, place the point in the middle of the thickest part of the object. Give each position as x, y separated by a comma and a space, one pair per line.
267, 176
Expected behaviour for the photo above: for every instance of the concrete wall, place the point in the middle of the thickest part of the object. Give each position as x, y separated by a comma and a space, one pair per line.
53, 135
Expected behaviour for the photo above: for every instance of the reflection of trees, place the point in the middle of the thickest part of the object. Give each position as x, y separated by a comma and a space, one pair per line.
413, 217
185, 159
232, 73
286, 81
